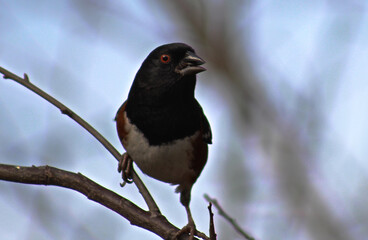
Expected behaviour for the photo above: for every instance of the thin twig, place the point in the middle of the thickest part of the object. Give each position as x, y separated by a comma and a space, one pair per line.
65, 110
231, 220
152, 206
213, 235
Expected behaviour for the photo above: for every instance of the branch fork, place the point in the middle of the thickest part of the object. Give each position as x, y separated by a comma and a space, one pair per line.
151, 220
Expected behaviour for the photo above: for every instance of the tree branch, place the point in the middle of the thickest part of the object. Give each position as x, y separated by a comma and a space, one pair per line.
46, 175
151, 220
152, 206
231, 220
213, 235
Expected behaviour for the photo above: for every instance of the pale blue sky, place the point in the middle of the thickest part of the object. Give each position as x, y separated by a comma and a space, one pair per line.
89, 65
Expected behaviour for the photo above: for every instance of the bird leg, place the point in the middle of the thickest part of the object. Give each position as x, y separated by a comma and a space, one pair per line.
190, 228
125, 166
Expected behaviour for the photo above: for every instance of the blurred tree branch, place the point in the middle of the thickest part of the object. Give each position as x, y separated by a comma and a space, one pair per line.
216, 28
291, 128
151, 220
228, 218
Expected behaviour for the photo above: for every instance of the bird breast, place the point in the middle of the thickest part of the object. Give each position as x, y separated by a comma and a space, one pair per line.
169, 162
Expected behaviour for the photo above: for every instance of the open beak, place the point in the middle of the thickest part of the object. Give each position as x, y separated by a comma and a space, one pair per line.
190, 64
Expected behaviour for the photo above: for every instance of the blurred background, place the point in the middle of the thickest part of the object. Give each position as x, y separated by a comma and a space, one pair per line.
285, 92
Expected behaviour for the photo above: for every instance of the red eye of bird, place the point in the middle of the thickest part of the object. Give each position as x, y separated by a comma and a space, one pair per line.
165, 58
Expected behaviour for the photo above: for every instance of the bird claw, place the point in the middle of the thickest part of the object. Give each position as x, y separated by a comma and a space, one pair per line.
190, 228
125, 166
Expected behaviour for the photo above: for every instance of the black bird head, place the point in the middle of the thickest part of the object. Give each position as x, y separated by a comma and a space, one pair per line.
169, 72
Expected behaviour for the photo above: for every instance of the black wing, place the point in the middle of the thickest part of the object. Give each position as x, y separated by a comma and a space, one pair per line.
205, 127
206, 130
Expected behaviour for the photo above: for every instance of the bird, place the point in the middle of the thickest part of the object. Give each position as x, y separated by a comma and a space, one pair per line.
161, 124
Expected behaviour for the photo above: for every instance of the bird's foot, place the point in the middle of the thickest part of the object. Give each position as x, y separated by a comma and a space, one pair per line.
190, 228
125, 166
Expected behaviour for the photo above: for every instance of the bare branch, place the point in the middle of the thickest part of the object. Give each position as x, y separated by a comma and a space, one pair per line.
151, 220
231, 220
46, 175
152, 206
213, 235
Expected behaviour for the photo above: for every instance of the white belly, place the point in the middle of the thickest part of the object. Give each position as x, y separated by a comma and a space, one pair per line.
168, 163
